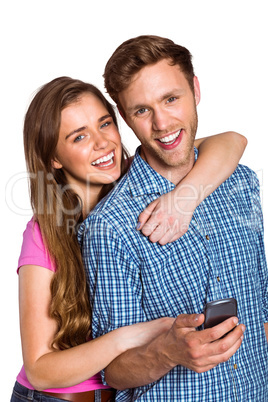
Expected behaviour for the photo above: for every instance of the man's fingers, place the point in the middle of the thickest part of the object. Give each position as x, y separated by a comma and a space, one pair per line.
189, 320
222, 329
221, 350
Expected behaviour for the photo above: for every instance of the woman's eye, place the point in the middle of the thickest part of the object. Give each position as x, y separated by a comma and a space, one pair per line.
79, 138
106, 124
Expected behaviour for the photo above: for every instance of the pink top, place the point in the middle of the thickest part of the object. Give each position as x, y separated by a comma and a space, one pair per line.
33, 252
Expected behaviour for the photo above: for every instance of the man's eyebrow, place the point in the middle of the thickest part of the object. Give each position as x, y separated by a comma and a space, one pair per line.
174, 92
132, 109
78, 130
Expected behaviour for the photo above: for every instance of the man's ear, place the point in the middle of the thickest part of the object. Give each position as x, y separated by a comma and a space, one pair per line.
56, 164
197, 93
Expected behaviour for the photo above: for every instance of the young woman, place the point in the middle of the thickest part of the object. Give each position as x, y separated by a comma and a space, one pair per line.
74, 156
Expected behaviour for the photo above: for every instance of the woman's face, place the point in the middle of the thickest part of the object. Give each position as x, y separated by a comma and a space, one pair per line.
89, 147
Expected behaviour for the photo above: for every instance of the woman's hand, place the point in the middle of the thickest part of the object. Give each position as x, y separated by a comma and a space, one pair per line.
168, 217
136, 335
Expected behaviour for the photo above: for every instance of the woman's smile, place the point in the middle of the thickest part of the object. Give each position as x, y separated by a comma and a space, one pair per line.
105, 161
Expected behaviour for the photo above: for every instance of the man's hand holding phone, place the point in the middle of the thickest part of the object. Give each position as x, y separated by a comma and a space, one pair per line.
201, 351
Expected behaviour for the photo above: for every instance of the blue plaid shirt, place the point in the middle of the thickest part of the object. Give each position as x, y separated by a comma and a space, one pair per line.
221, 255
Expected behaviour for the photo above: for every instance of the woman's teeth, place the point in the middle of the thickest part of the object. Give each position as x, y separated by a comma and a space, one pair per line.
108, 158
170, 138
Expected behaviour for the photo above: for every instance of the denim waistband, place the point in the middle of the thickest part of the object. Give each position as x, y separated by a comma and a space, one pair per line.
21, 393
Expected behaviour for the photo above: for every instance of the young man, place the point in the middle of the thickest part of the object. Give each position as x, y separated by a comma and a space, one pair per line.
131, 279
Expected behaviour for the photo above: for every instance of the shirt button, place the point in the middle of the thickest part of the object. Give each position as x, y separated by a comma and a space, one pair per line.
235, 366
207, 237
218, 278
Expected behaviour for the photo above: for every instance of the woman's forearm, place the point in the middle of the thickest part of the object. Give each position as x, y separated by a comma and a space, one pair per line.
65, 368
172, 212
59, 369
266, 329
49, 368
218, 157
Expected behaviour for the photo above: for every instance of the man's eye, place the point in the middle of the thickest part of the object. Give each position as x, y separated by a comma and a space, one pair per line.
171, 99
141, 111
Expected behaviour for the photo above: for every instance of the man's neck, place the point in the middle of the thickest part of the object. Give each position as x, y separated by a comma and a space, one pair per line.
172, 173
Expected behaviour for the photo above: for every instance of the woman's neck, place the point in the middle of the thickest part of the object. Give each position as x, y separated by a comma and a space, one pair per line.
90, 198
88, 194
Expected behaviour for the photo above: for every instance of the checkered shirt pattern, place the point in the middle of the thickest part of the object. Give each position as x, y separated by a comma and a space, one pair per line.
221, 255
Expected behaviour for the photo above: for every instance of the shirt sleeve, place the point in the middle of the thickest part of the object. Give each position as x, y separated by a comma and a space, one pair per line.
33, 250
113, 277
257, 224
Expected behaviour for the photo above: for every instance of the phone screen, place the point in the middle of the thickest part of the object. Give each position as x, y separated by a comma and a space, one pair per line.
218, 311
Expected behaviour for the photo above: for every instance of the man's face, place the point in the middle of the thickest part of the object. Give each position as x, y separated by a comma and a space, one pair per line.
160, 107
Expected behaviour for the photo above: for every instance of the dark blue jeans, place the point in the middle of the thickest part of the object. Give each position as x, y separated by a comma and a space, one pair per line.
21, 393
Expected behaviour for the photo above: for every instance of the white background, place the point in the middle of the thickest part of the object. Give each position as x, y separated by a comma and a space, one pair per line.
41, 40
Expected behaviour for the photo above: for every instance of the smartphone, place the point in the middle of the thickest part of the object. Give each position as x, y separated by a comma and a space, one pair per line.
218, 311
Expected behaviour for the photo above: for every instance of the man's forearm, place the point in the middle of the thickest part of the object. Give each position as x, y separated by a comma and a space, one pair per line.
139, 366
181, 345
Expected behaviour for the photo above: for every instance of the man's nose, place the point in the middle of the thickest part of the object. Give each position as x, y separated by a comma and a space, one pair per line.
160, 120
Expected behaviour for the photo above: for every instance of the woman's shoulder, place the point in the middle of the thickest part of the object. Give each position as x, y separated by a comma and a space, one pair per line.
33, 250
32, 235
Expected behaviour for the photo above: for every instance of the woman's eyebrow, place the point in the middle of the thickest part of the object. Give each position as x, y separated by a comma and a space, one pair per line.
78, 130
104, 118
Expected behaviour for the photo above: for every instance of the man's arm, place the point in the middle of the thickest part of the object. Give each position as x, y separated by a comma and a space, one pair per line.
257, 219
199, 351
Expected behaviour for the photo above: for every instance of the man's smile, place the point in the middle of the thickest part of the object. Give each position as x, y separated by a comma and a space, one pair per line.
171, 140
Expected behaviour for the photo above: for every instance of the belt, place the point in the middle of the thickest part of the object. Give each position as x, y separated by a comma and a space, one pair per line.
107, 395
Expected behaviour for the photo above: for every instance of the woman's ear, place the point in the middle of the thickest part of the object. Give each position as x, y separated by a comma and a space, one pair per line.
56, 164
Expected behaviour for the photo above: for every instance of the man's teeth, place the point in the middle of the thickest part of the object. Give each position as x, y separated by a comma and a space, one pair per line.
170, 138
106, 158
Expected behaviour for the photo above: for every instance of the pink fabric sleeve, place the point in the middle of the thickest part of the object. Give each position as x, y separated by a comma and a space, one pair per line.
33, 250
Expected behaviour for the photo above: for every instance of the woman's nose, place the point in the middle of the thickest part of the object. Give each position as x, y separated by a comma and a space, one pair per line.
100, 142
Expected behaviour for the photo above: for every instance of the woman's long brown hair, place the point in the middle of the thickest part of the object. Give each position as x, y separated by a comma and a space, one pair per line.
57, 208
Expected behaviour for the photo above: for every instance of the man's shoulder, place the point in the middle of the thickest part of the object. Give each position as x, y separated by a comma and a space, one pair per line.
244, 170
240, 189
244, 176
111, 200
111, 212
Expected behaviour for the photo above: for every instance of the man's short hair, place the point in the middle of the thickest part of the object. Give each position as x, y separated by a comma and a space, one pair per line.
134, 54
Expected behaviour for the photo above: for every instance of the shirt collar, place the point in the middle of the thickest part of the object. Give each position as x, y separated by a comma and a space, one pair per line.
143, 179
